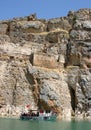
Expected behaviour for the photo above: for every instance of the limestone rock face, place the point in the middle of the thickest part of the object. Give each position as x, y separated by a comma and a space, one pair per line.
46, 64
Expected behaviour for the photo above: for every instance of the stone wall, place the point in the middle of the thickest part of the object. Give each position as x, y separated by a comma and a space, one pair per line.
46, 64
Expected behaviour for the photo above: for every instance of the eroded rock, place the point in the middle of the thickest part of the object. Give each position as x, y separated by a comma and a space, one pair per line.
46, 64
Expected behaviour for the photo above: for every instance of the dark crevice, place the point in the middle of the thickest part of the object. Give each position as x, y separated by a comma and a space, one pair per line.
31, 58
8, 30
30, 78
68, 51
73, 99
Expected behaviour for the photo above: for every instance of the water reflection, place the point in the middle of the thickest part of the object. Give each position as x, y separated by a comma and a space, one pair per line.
14, 124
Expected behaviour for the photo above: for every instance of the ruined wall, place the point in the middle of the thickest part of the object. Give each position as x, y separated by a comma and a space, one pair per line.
46, 63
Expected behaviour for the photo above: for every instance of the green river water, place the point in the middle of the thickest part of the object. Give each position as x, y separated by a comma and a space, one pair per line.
15, 124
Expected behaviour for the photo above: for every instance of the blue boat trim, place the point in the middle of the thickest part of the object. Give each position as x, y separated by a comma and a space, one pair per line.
48, 116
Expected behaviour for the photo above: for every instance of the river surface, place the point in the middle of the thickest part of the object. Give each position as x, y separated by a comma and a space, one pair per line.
15, 124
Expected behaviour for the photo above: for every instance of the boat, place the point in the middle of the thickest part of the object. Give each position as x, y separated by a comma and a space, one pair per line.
39, 115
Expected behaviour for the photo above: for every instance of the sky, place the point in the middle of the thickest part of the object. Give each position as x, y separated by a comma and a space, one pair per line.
43, 8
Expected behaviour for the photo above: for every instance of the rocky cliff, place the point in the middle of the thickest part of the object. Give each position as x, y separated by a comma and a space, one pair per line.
46, 63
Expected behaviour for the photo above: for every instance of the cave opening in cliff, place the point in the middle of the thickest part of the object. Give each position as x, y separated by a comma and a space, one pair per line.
73, 99
43, 105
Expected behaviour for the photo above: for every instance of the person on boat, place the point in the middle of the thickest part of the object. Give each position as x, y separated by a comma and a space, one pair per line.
41, 113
